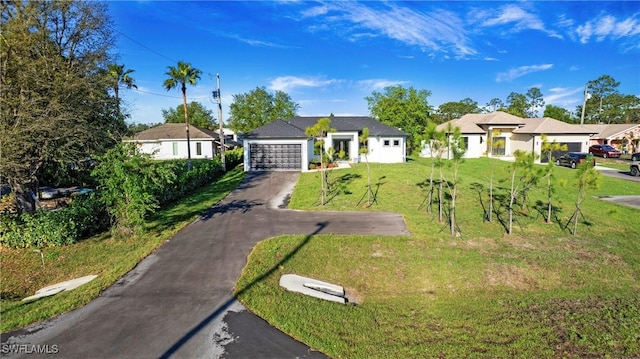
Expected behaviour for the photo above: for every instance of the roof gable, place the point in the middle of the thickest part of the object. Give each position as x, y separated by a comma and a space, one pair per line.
276, 129
548, 125
173, 131
296, 126
612, 130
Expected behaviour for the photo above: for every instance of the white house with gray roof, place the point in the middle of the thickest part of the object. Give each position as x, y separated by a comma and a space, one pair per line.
169, 141
283, 144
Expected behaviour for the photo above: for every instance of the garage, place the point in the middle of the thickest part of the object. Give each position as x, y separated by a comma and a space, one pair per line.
275, 156
571, 147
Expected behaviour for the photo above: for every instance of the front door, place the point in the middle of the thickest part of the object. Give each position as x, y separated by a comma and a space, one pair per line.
342, 145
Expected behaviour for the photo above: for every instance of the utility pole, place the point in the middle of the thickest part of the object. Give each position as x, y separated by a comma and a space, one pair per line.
216, 94
587, 96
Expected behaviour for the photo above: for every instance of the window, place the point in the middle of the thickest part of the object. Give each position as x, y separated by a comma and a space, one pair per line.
396, 143
466, 142
498, 144
198, 148
386, 143
175, 148
365, 146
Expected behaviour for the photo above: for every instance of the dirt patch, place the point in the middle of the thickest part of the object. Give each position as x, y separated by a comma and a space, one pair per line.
511, 276
353, 296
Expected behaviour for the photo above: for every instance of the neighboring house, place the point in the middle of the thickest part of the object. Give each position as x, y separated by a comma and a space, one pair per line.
624, 137
283, 145
515, 133
229, 134
169, 141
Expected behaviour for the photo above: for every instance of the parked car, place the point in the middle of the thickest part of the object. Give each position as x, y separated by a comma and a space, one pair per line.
634, 168
635, 156
573, 159
604, 151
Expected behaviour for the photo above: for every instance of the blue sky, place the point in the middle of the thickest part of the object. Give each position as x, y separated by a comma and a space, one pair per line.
328, 56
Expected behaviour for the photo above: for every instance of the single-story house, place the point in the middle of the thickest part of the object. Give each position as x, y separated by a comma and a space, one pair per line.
283, 144
624, 137
515, 133
169, 141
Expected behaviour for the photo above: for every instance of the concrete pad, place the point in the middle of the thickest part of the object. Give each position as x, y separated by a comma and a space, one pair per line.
313, 288
60, 287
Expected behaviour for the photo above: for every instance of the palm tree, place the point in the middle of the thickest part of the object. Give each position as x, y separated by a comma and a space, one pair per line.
182, 74
117, 76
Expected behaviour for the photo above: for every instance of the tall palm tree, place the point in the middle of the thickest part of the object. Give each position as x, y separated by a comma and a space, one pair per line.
119, 76
183, 74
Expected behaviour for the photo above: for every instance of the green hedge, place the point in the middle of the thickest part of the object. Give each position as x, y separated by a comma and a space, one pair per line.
84, 217
202, 173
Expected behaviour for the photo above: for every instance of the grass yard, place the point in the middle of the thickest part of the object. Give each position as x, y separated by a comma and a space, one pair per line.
22, 271
540, 292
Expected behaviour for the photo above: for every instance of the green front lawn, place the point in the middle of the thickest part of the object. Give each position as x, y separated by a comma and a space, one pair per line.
540, 292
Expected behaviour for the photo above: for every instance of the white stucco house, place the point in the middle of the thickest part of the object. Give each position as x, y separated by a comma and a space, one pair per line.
516, 133
283, 144
169, 141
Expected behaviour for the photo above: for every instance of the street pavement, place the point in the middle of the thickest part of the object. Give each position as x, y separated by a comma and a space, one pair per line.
179, 303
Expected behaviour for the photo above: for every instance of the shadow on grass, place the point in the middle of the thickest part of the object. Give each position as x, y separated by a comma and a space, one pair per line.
220, 310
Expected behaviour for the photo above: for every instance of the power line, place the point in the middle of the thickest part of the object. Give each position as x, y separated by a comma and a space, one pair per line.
169, 96
143, 45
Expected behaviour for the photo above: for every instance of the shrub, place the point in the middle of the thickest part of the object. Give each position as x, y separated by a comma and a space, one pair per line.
84, 217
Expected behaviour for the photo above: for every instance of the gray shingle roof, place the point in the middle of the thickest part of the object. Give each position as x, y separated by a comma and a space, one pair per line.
295, 127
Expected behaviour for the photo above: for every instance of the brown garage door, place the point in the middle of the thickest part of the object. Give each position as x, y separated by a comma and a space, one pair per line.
266, 157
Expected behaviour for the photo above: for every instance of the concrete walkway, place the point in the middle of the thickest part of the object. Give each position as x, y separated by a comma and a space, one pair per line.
178, 302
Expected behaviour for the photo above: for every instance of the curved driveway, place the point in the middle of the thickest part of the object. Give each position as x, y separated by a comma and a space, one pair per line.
179, 301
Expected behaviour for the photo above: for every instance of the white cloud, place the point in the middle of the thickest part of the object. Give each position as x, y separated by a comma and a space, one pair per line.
378, 84
514, 73
607, 26
515, 17
438, 30
287, 83
564, 97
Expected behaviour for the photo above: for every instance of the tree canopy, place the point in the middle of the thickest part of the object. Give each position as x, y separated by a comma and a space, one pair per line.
607, 105
451, 110
258, 107
406, 109
557, 113
517, 104
54, 98
199, 115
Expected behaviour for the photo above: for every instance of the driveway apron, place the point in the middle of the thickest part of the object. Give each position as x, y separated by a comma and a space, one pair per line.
178, 302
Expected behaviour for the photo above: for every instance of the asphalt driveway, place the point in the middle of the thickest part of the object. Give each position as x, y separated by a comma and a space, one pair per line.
179, 301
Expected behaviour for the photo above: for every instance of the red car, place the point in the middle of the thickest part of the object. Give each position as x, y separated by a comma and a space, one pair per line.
604, 151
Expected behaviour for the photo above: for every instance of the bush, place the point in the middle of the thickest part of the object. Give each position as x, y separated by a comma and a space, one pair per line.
85, 216
132, 186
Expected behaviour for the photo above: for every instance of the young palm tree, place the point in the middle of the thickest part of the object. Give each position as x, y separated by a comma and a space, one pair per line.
117, 76
182, 75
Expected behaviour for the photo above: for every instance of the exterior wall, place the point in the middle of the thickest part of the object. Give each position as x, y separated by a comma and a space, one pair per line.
305, 144
522, 142
476, 146
163, 150
379, 152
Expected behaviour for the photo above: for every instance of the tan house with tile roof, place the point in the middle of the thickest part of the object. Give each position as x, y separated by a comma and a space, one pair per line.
624, 137
517, 134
